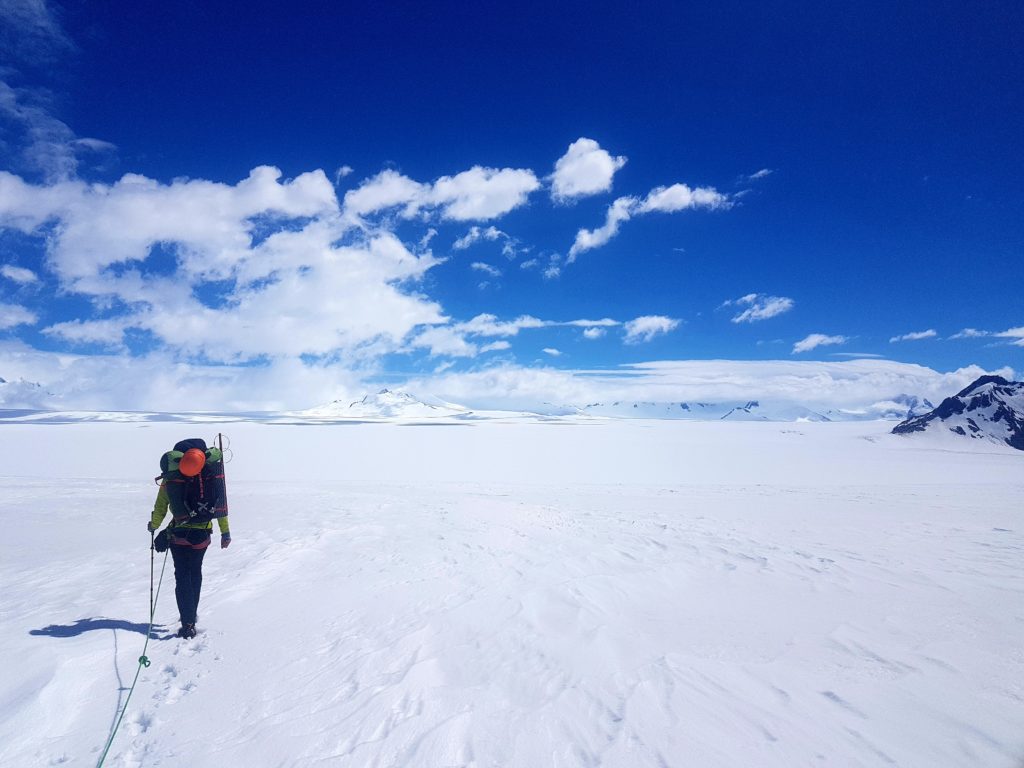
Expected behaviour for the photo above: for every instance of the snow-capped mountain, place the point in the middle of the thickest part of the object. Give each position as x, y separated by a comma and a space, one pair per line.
748, 410
384, 404
991, 408
23, 394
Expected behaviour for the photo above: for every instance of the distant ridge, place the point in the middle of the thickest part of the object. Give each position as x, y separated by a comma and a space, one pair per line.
385, 404
991, 408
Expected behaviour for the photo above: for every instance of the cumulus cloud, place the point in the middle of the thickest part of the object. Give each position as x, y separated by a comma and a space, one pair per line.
483, 193
915, 336
677, 197
815, 340
19, 274
477, 194
13, 315
444, 340
759, 306
552, 352
680, 197
291, 279
388, 189
647, 327
585, 169
211, 223
594, 333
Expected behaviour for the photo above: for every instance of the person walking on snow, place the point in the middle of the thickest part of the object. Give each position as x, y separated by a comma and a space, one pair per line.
188, 539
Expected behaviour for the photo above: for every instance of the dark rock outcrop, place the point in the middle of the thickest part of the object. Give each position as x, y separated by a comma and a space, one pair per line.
990, 408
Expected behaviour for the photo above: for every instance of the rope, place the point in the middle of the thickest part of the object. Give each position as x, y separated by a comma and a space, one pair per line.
143, 659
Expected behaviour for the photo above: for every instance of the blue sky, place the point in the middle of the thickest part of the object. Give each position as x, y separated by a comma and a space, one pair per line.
310, 200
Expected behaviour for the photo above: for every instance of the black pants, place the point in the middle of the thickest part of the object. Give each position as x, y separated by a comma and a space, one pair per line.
188, 580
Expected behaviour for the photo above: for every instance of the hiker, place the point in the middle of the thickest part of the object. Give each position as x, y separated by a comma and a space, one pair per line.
192, 488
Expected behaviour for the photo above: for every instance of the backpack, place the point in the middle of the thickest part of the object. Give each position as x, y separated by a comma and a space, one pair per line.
196, 499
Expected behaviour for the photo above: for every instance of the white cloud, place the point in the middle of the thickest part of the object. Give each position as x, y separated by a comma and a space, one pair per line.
915, 336
341, 173
388, 189
605, 322
298, 291
1013, 333
429, 235
13, 315
475, 235
647, 327
586, 239
29, 31
974, 333
444, 340
495, 346
487, 269
483, 193
211, 223
552, 352
815, 340
109, 333
819, 384
39, 143
764, 172
680, 197
671, 199
477, 194
154, 382
594, 333
120, 382
19, 274
489, 325
759, 306
585, 169
970, 333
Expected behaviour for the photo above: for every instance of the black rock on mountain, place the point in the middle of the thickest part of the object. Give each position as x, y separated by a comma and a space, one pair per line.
991, 408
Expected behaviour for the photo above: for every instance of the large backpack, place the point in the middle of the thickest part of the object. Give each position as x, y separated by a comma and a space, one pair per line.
196, 499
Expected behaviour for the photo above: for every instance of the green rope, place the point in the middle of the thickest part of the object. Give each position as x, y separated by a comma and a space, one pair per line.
143, 662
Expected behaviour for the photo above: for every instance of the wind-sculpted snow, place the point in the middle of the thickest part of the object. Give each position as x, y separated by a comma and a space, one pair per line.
615, 593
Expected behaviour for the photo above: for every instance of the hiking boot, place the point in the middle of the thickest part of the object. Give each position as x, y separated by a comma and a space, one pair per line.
187, 631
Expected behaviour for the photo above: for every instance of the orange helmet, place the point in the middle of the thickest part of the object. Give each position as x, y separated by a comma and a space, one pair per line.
191, 464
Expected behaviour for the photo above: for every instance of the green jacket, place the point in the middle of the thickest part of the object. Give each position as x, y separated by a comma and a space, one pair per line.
160, 509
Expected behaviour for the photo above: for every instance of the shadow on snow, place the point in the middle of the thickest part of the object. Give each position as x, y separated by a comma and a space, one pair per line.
88, 625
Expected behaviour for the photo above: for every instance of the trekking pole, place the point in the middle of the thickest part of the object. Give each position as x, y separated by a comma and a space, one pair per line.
152, 555
224, 461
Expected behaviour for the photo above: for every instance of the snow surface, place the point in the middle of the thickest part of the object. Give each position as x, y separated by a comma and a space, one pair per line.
613, 593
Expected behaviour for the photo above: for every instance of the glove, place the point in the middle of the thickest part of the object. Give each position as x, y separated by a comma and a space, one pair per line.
150, 527
225, 540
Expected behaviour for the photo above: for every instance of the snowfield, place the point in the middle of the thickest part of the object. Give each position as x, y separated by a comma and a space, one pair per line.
560, 593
